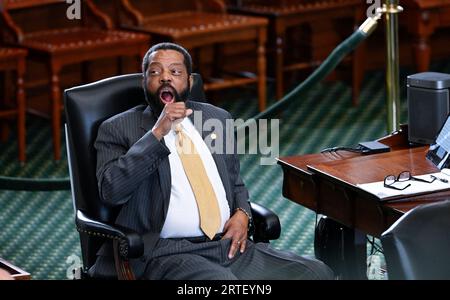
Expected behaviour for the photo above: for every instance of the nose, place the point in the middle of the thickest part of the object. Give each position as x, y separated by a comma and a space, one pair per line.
165, 77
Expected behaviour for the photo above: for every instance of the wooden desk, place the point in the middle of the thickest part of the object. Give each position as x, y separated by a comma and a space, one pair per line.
326, 183
286, 14
16, 272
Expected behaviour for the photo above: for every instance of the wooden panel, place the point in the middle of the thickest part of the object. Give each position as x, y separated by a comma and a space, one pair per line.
17, 4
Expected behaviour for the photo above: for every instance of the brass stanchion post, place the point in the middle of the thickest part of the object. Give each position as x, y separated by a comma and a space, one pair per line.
391, 9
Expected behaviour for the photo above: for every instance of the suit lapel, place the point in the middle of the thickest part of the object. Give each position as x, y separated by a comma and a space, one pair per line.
165, 178
148, 119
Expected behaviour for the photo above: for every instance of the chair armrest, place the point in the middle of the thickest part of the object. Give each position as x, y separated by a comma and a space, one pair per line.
131, 244
266, 224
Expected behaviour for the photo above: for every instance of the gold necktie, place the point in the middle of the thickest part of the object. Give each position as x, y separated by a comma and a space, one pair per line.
208, 206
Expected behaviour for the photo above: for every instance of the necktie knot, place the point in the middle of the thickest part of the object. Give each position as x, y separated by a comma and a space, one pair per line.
178, 130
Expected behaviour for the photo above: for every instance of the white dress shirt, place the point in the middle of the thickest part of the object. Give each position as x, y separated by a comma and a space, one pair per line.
183, 217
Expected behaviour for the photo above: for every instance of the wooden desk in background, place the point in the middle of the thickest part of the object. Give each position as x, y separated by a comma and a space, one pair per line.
326, 183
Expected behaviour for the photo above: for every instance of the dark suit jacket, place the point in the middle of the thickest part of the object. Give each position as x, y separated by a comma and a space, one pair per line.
133, 169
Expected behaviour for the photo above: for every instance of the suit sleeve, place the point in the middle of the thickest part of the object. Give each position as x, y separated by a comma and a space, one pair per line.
241, 196
120, 168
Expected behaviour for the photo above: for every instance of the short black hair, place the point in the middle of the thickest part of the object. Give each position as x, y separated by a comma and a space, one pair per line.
167, 46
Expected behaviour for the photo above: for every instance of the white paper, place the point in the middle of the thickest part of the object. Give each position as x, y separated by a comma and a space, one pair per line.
416, 187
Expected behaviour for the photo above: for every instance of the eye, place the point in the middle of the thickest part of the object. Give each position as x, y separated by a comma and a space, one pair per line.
154, 72
177, 72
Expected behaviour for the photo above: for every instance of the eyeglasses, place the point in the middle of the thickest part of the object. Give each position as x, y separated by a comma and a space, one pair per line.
402, 177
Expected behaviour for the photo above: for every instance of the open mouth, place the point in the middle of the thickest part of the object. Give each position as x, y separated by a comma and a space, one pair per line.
166, 96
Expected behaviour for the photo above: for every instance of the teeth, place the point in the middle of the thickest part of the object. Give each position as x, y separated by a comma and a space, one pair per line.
166, 90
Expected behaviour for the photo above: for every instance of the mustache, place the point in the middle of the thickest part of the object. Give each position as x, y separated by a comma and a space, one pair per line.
171, 88
153, 101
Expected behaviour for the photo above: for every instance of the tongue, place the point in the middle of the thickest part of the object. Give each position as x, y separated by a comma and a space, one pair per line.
166, 97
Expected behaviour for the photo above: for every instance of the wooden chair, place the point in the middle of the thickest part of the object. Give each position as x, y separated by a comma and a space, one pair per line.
90, 38
13, 59
323, 25
206, 23
422, 19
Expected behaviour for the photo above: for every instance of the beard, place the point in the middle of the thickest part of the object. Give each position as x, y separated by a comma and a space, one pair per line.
154, 101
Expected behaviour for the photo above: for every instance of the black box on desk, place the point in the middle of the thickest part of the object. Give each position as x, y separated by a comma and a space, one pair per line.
428, 105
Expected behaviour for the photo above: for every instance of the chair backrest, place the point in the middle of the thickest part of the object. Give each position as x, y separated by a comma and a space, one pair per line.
25, 16
152, 8
417, 246
86, 107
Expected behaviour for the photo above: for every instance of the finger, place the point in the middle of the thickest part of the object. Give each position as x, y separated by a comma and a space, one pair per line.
243, 245
226, 225
177, 104
175, 110
233, 248
175, 115
185, 112
227, 234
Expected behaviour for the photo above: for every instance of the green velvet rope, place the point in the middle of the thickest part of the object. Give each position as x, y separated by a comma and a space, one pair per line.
33, 184
38, 184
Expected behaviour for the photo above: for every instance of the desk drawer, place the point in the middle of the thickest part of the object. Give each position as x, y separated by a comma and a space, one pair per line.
300, 188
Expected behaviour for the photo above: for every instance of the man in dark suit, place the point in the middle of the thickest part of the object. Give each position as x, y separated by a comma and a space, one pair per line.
140, 169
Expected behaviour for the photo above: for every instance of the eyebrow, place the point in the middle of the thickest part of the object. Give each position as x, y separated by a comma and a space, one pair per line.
176, 64
155, 63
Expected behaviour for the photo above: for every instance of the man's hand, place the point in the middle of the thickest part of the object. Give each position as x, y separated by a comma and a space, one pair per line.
171, 113
236, 230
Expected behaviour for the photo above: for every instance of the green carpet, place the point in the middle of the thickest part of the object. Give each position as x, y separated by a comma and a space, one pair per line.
37, 231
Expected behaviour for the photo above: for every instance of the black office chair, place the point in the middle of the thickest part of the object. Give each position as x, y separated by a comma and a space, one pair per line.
417, 246
86, 108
